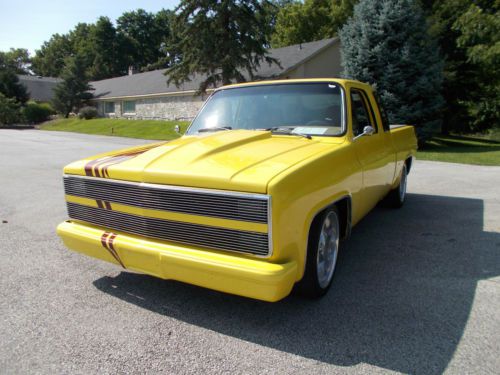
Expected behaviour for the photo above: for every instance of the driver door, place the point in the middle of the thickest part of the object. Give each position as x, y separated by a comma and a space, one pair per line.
375, 157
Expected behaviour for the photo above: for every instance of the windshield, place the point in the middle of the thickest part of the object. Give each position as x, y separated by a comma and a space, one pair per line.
301, 108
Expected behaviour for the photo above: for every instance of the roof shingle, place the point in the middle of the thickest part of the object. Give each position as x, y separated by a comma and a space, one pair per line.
39, 88
155, 82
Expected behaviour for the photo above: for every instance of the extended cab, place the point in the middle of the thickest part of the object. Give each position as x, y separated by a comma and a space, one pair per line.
255, 198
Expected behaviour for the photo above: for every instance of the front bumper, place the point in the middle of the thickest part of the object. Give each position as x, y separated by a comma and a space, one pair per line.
227, 273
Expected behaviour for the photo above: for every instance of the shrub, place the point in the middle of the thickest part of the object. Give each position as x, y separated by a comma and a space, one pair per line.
9, 111
35, 113
87, 113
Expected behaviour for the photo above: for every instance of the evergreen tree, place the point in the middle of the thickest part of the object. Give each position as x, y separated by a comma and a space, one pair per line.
220, 40
10, 111
74, 90
387, 44
10, 86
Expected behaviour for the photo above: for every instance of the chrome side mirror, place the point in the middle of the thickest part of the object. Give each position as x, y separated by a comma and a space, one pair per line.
177, 129
367, 130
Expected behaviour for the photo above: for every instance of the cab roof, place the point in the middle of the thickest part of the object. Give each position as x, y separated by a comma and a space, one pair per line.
341, 81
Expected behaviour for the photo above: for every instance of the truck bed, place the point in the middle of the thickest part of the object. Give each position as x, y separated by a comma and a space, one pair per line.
403, 140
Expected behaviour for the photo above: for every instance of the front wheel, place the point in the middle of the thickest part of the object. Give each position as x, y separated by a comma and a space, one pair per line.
322, 253
396, 197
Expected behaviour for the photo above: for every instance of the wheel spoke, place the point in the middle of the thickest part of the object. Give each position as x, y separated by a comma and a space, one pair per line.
327, 249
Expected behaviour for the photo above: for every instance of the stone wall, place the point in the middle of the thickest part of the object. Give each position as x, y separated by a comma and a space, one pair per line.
172, 107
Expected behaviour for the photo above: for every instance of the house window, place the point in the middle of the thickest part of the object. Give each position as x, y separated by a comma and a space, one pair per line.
109, 107
129, 106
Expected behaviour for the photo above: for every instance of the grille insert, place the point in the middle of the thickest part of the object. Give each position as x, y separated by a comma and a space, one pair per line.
235, 206
184, 233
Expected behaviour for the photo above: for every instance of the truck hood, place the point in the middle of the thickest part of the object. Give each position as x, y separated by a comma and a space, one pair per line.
239, 160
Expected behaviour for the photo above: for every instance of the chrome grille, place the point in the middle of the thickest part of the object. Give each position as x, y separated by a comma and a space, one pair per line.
235, 206
185, 233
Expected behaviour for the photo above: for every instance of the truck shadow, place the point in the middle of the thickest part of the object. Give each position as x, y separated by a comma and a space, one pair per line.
401, 297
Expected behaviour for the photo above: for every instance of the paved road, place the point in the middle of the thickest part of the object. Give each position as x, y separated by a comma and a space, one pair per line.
418, 290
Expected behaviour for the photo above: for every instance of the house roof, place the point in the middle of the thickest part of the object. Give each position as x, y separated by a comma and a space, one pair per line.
155, 82
39, 88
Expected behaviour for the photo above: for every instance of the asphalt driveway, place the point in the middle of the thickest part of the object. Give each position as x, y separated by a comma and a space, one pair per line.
418, 290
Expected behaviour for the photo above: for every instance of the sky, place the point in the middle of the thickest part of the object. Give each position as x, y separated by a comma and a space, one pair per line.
28, 23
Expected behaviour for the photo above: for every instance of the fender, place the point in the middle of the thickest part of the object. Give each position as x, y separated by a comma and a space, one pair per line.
314, 214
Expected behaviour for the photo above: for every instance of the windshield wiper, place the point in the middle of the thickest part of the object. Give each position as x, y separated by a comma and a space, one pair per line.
214, 129
281, 130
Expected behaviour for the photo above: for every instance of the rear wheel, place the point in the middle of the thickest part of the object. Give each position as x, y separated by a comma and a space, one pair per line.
396, 197
322, 254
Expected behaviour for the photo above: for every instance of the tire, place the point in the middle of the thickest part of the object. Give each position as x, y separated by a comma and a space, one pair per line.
322, 254
396, 197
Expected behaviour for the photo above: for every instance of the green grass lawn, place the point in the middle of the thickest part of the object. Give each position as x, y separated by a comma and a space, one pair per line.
492, 134
453, 149
145, 129
466, 150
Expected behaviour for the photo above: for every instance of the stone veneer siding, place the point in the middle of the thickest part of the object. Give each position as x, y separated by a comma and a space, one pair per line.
172, 107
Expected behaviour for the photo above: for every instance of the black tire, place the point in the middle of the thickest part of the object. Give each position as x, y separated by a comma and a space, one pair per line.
396, 197
312, 284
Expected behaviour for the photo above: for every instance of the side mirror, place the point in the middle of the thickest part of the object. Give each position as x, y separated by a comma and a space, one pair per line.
367, 130
177, 129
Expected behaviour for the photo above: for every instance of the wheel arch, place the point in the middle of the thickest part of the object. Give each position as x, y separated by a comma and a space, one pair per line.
409, 163
344, 206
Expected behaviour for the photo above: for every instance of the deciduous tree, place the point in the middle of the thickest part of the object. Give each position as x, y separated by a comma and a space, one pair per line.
143, 40
301, 22
140, 30
110, 59
466, 87
49, 59
17, 59
479, 36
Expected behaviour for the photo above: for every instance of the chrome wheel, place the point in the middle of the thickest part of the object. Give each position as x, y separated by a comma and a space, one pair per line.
328, 248
402, 185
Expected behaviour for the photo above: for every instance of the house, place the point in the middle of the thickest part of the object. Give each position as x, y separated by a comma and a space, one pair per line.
40, 89
148, 96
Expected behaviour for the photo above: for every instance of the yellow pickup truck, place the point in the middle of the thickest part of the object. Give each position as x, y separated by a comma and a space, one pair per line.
254, 199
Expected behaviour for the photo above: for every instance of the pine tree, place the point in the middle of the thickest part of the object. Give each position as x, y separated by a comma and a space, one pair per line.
220, 40
386, 43
74, 89
10, 86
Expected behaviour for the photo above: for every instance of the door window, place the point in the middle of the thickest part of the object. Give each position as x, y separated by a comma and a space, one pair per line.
361, 116
383, 113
